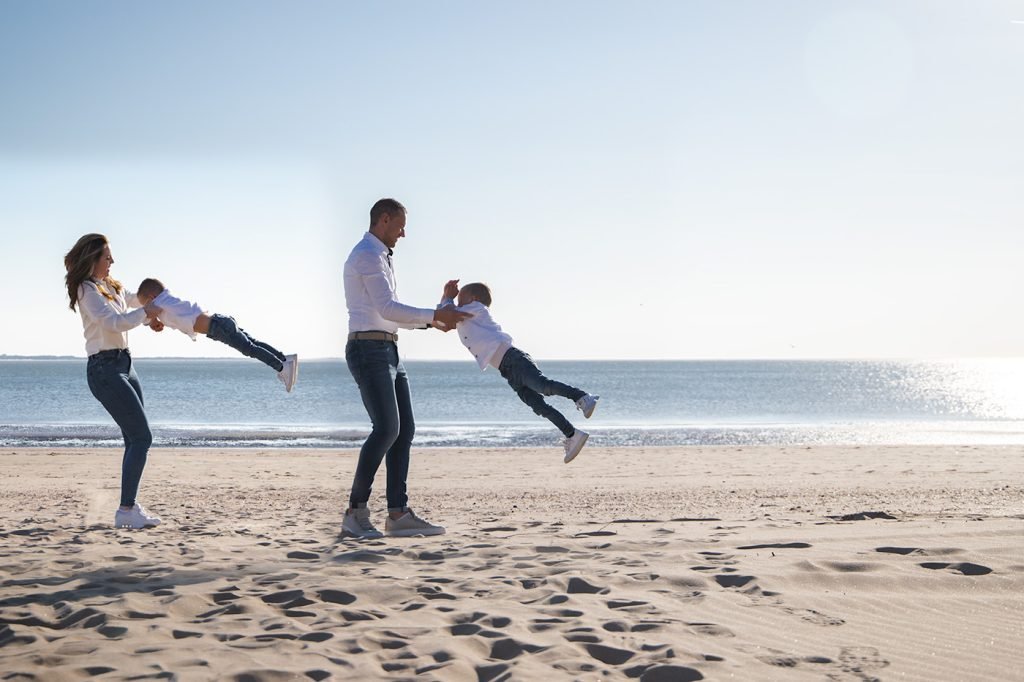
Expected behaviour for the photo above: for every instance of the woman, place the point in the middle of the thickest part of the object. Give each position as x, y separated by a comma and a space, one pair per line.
103, 303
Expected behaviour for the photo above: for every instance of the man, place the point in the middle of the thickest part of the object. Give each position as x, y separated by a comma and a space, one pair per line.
374, 316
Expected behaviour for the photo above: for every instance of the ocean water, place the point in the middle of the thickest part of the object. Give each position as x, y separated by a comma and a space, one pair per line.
240, 403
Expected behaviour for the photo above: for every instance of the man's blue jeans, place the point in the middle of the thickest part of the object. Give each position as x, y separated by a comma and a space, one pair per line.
226, 330
113, 382
531, 386
384, 388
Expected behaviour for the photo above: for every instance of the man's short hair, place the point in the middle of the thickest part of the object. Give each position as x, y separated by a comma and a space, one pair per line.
150, 288
389, 206
479, 291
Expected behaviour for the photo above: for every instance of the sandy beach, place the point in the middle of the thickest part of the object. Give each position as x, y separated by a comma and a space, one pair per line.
814, 563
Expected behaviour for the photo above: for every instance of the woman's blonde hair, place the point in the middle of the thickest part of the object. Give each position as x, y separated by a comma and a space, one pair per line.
80, 261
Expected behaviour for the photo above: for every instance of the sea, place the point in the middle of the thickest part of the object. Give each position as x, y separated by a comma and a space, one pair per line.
240, 403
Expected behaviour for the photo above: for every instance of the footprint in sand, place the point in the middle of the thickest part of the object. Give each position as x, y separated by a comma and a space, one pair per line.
816, 617
711, 629
289, 599
963, 568
336, 597
778, 545
940, 551
731, 580
608, 654
581, 586
670, 673
487, 673
506, 649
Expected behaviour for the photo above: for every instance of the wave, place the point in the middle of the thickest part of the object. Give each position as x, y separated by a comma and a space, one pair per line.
526, 434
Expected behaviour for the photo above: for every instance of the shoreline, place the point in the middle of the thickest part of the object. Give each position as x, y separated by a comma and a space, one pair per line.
782, 563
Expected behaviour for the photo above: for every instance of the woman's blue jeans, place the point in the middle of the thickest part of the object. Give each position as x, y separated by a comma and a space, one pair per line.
384, 388
526, 379
113, 382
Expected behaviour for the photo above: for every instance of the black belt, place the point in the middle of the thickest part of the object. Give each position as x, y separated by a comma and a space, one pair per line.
112, 352
373, 336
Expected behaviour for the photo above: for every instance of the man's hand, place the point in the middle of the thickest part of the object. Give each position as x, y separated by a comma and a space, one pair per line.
451, 288
446, 318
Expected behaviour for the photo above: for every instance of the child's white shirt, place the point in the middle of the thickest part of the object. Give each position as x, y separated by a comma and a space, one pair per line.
177, 313
481, 334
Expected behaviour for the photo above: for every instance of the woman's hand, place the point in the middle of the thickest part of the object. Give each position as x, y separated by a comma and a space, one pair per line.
152, 311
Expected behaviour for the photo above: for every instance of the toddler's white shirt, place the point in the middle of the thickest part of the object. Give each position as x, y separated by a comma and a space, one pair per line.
178, 314
481, 334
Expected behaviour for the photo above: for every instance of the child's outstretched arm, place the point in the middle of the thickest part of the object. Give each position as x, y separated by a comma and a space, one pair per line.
451, 290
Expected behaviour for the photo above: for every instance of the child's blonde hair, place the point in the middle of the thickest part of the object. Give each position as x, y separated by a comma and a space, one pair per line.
479, 291
150, 288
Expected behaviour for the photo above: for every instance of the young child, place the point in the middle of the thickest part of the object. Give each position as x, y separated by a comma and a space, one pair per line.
189, 318
491, 346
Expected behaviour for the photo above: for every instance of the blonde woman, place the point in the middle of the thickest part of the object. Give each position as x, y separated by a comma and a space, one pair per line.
104, 306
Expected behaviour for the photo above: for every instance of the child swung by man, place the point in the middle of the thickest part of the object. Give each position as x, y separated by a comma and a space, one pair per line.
492, 347
190, 319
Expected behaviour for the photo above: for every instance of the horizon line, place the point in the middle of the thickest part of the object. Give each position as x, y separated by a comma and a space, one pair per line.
878, 358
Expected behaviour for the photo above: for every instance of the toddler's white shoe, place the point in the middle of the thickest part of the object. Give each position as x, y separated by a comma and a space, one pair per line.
136, 517
289, 374
574, 444
587, 404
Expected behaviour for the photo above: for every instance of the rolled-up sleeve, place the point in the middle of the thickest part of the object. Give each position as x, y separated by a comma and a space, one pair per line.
99, 309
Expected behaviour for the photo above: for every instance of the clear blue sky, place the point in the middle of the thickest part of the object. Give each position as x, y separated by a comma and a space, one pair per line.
635, 180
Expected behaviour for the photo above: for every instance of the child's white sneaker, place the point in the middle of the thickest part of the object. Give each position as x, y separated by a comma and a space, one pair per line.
358, 525
136, 517
289, 374
574, 443
587, 404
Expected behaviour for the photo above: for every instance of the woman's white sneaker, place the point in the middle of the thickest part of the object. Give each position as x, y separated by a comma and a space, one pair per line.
136, 517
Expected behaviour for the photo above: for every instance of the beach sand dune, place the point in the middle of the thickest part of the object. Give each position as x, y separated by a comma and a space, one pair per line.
820, 563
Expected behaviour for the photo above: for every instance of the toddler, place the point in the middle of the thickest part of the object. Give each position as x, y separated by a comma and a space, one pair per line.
493, 347
189, 318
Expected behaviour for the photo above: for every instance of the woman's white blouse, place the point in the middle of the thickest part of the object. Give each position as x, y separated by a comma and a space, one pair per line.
105, 321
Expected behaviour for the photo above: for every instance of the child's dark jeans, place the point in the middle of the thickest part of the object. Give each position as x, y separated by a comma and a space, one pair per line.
526, 379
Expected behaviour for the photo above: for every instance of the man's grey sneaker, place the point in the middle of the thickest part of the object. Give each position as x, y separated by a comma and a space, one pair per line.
409, 525
289, 374
357, 524
574, 444
136, 517
586, 404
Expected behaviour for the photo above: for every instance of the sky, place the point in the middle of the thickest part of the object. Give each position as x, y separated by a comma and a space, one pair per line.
644, 180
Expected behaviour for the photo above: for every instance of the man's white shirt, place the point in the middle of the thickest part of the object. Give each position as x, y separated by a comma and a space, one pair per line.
370, 291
